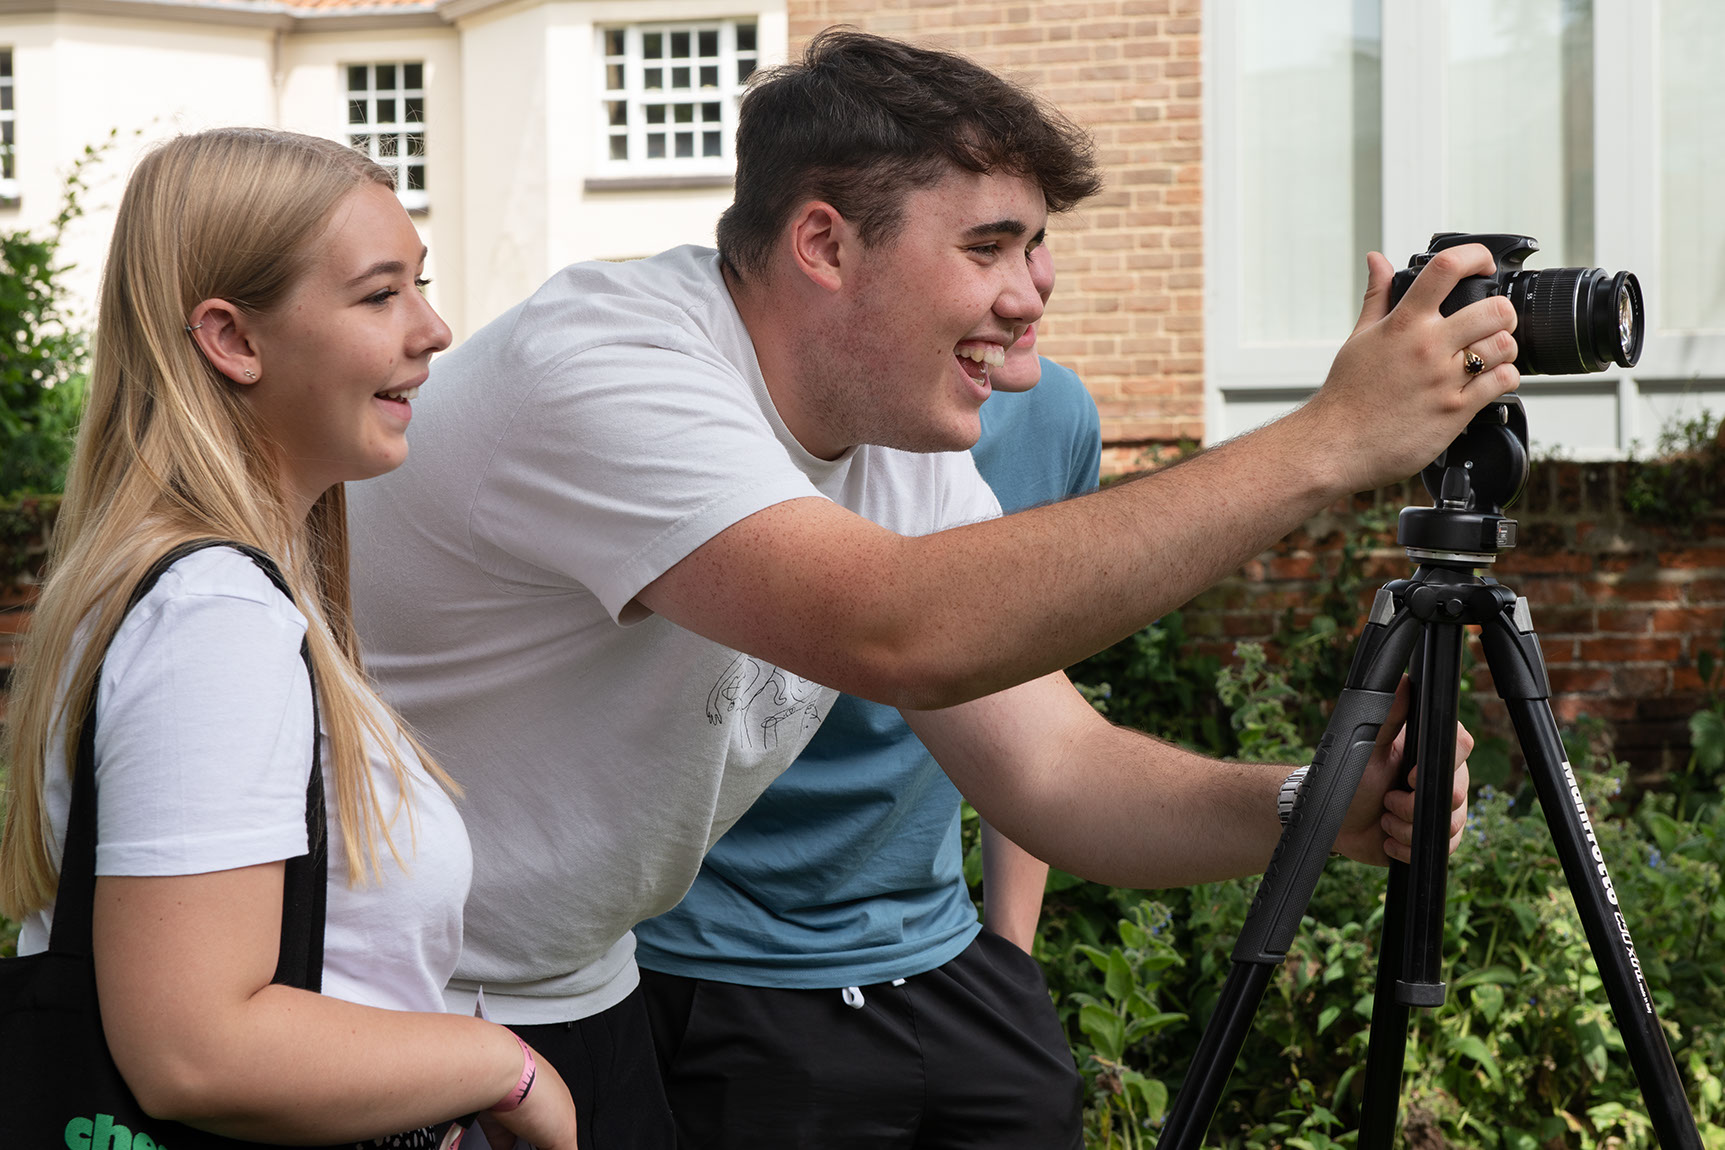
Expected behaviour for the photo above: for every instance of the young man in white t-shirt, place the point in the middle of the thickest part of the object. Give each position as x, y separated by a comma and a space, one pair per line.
660, 512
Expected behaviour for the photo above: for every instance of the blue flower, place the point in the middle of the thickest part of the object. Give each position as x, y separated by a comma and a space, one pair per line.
1654, 858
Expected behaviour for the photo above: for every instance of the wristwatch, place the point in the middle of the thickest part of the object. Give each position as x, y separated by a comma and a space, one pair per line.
1289, 792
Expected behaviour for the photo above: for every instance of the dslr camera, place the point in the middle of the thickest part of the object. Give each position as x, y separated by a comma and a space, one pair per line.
1568, 320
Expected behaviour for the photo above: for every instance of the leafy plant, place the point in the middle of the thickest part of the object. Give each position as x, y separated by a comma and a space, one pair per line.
1682, 484
42, 352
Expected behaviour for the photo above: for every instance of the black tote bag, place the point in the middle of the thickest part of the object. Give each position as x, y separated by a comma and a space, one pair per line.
59, 1086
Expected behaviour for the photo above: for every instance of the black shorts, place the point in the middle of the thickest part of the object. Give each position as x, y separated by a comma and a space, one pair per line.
608, 1064
967, 1055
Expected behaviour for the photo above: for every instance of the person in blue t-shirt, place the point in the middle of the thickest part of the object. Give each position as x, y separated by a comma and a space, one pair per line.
825, 982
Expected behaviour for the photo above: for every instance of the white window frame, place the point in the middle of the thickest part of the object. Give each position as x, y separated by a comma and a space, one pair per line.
390, 142
1617, 411
638, 100
8, 126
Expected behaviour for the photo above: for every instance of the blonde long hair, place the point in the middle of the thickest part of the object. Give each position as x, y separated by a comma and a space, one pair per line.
168, 452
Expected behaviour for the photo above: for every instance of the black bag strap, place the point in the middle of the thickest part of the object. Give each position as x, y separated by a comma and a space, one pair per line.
305, 885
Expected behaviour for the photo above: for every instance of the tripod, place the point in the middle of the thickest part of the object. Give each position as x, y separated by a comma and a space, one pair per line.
1416, 625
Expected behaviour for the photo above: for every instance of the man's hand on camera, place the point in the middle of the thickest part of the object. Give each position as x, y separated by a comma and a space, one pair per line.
1399, 390
1379, 825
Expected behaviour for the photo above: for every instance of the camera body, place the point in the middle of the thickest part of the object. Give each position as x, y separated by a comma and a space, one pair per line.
1568, 320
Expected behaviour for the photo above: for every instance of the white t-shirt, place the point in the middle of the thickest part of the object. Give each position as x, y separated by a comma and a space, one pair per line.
564, 457
203, 748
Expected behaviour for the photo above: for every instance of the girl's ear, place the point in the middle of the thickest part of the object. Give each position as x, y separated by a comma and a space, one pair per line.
223, 334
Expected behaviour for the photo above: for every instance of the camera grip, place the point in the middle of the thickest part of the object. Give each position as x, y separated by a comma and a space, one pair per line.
1317, 817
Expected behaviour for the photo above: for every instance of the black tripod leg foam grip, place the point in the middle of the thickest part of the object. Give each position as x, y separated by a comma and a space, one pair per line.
1319, 811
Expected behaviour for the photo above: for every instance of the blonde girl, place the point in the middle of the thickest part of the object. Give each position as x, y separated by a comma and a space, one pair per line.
261, 337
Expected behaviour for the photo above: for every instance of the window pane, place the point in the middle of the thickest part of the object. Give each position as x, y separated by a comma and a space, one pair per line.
6, 98
1310, 163
709, 76
653, 45
614, 41
356, 78
6, 62
416, 177
614, 77
679, 77
387, 146
655, 113
386, 77
356, 112
710, 42
415, 143
685, 145
653, 78
617, 112
655, 145
360, 144
619, 147
386, 111
745, 37
415, 106
745, 69
710, 113
1523, 164
709, 143
413, 75
683, 113
679, 45
1692, 106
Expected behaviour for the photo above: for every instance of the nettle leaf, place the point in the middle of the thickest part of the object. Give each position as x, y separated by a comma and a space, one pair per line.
1488, 999
1105, 1029
1707, 738
1472, 1046
1118, 982
1501, 975
1328, 1016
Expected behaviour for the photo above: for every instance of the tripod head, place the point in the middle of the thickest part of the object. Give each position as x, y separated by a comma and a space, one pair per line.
1478, 475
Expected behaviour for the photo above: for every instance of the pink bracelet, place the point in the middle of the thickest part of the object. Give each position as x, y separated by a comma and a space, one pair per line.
529, 1071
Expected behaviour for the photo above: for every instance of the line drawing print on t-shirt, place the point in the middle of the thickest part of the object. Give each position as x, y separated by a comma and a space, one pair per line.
773, 704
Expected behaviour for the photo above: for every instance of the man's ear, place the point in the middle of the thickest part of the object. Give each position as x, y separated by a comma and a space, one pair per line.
823, 244
223, 333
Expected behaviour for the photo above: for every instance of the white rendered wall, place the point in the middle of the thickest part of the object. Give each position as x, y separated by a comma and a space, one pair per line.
79, 77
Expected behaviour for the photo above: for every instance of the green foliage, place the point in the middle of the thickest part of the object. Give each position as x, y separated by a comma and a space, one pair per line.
1262, 704
1153, 681
1524, 1055
1682, 484
42, 353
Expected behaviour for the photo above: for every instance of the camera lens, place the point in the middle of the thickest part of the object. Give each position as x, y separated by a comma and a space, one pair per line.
1575, 320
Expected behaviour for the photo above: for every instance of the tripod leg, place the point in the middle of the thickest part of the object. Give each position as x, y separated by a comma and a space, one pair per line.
1411, 955
1289, 880
1387, 1044
1518, 670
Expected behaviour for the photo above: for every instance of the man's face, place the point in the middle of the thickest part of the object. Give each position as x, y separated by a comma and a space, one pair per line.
1023, 369
932, 311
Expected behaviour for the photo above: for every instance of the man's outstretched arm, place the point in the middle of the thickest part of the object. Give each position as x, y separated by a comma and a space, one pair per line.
1121, 808
939, 619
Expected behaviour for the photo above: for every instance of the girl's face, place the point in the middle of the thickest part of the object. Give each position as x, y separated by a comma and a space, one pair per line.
341, 359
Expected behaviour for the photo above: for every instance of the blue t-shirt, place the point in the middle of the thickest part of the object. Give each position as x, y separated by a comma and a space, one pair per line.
847, 870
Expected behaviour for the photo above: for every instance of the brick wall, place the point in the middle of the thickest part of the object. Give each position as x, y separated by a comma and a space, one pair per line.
1622, 609
1127, 314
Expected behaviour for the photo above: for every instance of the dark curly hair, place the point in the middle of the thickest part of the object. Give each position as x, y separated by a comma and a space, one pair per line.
861, 121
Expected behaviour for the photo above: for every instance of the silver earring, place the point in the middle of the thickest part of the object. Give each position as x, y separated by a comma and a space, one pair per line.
194, 326
250, 374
